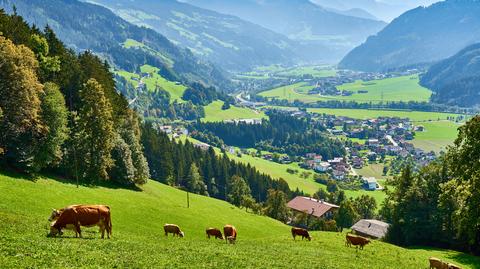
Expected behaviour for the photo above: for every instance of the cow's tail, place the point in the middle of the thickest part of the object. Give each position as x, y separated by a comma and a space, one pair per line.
108, 222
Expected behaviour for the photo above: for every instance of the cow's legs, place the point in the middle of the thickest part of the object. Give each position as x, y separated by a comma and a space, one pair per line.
77, 230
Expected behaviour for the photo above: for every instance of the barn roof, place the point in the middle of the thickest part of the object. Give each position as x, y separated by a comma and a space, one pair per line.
371, 227
311, 206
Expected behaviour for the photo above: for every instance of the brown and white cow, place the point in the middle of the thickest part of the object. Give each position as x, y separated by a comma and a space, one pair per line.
214, 232
82, 215
230, 233
356, 241
300, 232
437, 263
173, 229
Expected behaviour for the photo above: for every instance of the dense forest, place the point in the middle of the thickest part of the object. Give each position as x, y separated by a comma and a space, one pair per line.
61, 111
456, 80
440, 204
203, 171
282, 133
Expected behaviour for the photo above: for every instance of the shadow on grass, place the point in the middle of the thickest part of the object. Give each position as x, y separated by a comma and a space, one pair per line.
460, 257
33, 177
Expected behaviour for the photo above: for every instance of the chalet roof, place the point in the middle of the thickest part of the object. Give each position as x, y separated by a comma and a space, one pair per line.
371, 227
311, 206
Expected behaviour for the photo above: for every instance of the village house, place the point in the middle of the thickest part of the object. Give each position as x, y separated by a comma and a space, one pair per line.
370, 183
313, 207
202, 146
322, 167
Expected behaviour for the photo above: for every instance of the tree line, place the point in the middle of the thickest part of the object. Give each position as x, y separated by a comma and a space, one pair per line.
282, 133
203, 171
439, 205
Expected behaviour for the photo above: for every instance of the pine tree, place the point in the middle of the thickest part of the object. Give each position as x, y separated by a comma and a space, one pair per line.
96, 132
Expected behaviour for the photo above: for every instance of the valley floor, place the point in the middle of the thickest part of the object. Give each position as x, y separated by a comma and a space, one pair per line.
138, 240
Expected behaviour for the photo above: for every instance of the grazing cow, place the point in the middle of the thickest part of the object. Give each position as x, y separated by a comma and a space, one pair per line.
229, 231
231, 239
57, 212
356, 241
173, 229
300, 232
214, 232
437, 263
83, 215
453, 266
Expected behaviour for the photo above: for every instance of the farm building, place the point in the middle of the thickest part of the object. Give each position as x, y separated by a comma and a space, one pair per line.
314, 207
371, 228
370, 183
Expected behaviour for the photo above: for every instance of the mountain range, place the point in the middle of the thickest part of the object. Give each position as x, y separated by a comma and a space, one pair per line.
323, 34
226, 40
83, 26
419, 37
456, 80
386, 10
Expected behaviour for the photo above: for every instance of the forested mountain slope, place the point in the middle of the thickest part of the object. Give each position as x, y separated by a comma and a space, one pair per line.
226, 40
418, 37
85, 26
456, 80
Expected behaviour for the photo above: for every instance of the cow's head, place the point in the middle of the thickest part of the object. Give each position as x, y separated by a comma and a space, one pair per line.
54, 231
181, 234
309, 238
55, 214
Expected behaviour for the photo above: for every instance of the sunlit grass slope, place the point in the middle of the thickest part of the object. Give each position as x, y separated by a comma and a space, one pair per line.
138, 242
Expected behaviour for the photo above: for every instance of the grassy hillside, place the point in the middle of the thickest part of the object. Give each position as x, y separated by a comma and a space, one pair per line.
154, 80
405, 88
138, 217
214, 112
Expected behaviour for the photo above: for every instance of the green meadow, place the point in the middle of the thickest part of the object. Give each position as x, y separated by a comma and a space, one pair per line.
416, 116
437, 135
404, 88
214, 112
154, 81
138, 240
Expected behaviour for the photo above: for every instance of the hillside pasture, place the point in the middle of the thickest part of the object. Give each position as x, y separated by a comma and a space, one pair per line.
214, 112
154, 81
138, 240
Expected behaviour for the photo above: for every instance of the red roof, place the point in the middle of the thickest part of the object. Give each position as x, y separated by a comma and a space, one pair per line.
311, 206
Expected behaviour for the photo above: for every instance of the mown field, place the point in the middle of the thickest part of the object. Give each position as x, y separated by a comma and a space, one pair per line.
437, 135
138, 240
214, 112
405, 88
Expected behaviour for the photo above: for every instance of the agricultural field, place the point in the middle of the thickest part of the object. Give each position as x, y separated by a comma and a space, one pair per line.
405, 88
437, 135
138, 240
315, 71
214, 112
278, 72
415, 116
154, 80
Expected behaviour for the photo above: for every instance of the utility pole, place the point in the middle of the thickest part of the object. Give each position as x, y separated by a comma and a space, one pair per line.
188, 200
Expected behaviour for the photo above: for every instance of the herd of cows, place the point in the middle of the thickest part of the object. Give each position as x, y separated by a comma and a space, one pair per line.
74, 216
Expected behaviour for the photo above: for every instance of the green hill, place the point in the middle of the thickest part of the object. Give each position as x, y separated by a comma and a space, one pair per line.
138, 242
